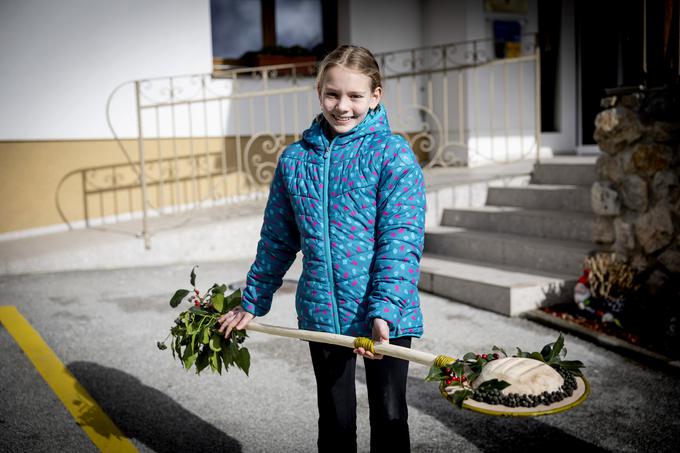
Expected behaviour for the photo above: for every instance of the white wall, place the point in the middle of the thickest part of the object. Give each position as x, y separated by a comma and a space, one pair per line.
381, 25
59, 61
444, 22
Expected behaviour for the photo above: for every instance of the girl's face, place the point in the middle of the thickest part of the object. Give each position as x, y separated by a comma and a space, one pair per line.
345, 98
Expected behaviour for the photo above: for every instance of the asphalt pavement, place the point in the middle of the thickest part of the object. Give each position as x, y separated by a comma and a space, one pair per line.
103, 325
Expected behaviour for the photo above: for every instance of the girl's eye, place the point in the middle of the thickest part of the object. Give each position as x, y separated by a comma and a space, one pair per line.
331, 95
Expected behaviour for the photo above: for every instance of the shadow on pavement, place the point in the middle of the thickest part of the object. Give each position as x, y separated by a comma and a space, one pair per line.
490, 433
148, 415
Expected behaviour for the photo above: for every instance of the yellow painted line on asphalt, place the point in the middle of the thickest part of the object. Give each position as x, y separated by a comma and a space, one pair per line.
87, 413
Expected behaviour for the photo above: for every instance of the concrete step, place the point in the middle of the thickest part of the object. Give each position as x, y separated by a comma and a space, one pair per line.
542, 197
550, 255
462, 194
501, 289
565, 172
574, 226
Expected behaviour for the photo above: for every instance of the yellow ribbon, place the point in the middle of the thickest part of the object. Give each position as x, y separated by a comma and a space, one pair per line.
363, 342
443, 360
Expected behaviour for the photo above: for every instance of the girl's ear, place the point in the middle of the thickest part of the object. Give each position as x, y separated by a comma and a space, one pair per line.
375, 98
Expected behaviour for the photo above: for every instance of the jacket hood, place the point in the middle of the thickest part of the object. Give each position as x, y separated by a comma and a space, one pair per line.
375, 121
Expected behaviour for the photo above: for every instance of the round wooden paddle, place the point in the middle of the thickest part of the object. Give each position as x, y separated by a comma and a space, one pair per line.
580, 394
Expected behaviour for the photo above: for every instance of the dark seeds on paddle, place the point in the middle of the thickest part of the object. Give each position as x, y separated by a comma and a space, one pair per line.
495, 397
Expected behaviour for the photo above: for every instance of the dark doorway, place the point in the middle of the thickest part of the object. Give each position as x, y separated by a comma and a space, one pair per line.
549, 30
610, 41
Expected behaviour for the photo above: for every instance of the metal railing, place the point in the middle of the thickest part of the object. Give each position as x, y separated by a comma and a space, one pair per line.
209, 139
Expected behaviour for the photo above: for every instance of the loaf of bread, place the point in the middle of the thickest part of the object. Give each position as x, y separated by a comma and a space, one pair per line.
525, 376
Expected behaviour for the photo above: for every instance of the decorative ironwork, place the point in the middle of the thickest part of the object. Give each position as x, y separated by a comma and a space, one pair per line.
204, 138
445, 57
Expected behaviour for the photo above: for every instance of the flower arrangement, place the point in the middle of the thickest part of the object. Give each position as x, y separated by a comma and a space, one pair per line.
611, 277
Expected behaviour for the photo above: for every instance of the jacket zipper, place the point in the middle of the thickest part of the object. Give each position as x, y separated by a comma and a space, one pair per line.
327, 238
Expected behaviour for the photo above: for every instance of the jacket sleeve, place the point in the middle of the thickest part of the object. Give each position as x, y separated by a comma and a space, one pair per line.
276, 250
400, 223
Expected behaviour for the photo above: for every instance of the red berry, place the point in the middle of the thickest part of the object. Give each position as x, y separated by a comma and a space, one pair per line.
464, 378
485, 356
196, 291
197, 303
495, 356
449, 381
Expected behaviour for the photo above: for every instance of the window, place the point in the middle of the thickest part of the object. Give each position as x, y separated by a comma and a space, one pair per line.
283, 27
290, 14
236, 27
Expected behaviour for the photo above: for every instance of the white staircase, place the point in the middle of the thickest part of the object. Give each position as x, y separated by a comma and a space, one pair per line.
523, 249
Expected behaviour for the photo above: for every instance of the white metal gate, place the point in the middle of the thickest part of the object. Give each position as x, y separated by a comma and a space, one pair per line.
210, 139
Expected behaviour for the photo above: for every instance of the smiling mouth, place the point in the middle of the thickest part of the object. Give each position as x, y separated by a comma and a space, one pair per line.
343, 119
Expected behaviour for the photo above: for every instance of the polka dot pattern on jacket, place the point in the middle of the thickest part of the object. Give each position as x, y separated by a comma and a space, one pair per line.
355, 207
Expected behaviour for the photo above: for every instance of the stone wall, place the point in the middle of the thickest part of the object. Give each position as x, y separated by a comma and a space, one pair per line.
637, 195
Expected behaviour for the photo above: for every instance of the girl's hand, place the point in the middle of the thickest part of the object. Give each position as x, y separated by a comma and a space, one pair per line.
381, 332
237, 318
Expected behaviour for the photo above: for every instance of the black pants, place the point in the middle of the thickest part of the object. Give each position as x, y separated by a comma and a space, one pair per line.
334, 367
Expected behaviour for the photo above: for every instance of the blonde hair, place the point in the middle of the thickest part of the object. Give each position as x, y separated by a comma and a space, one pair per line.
356, 58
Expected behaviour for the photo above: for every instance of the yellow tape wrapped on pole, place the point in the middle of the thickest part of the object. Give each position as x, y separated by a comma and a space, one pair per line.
580, 394
84, 409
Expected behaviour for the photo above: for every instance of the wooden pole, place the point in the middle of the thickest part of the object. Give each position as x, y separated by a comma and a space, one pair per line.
391, 350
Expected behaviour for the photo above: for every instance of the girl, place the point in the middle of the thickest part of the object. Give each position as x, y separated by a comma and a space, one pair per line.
351, 196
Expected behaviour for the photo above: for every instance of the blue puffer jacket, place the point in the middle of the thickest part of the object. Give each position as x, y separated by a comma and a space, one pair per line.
356, 209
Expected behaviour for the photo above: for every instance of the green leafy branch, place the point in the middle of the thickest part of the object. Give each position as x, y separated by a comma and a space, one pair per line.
553, 354
196, 340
